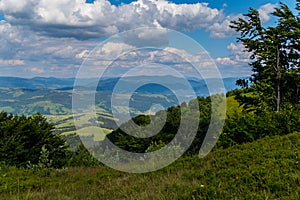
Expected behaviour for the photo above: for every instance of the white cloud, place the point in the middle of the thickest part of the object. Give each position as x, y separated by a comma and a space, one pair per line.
187, 16
36, 70
12, 62
226, 61
83, 54
120, 57
76, 18
141, 37
237, 63
10, 40
239, 53
265, 11
222, 29
238, 56
110, 51
48, 36
35, 54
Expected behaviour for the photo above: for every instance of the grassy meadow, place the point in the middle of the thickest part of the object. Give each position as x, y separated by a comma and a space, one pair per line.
265, 169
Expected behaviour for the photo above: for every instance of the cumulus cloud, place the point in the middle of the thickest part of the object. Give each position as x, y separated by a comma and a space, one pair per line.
49, 37
265, 11
152, 37
29, 50
10, 40
114, 49
222, 29
237, 63
81, 20
83, 54
75, 18
226, 61
178, 59
238, 55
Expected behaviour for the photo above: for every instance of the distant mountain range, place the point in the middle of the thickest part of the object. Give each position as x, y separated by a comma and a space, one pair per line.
35, 83
53, 96
108, 84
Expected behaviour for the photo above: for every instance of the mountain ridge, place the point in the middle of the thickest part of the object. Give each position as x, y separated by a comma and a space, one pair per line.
105, 84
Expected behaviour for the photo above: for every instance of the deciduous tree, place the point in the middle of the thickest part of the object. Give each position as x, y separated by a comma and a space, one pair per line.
275, 56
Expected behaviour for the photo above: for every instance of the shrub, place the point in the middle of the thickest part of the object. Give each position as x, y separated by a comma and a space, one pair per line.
23, 137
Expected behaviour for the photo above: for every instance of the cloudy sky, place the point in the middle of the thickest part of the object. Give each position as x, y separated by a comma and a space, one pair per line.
54, 37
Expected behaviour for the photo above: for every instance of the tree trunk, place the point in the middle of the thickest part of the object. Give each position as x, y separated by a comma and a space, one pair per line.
278, 80
278, 94
297, 95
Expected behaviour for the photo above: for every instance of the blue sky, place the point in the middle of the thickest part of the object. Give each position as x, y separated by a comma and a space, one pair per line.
53, 38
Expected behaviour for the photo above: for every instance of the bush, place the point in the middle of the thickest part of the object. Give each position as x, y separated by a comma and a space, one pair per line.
22, 139
82, 158
250, 126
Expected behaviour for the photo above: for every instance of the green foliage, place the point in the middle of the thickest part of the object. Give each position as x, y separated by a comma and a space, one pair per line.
23, 138
155, 146
176, 115
275, 58
264, 169
275, 83
249, 126
142, 120
44, 161
243, 124
82, 157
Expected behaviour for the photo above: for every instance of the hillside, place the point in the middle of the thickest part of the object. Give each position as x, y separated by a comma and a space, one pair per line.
53, 96
108, 83
265, 169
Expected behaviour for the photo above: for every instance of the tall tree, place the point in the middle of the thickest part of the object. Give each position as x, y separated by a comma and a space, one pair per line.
274, 54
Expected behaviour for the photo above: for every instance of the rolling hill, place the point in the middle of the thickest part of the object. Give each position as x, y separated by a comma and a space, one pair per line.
53, 96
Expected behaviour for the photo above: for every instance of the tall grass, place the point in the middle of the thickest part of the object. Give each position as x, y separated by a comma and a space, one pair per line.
265, 169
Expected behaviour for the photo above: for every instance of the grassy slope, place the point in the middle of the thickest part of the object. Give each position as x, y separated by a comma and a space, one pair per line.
265, 169
94, 131
232, 106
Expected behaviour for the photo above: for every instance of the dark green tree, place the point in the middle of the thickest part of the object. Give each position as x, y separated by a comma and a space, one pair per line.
23, 137
82, 157
176, 116
275, 57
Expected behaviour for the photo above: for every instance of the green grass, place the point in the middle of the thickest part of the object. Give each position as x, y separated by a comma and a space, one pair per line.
18, 93
91, 131
8, 109
62, 121
47, 107
265, 169
232, 106
55, 119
